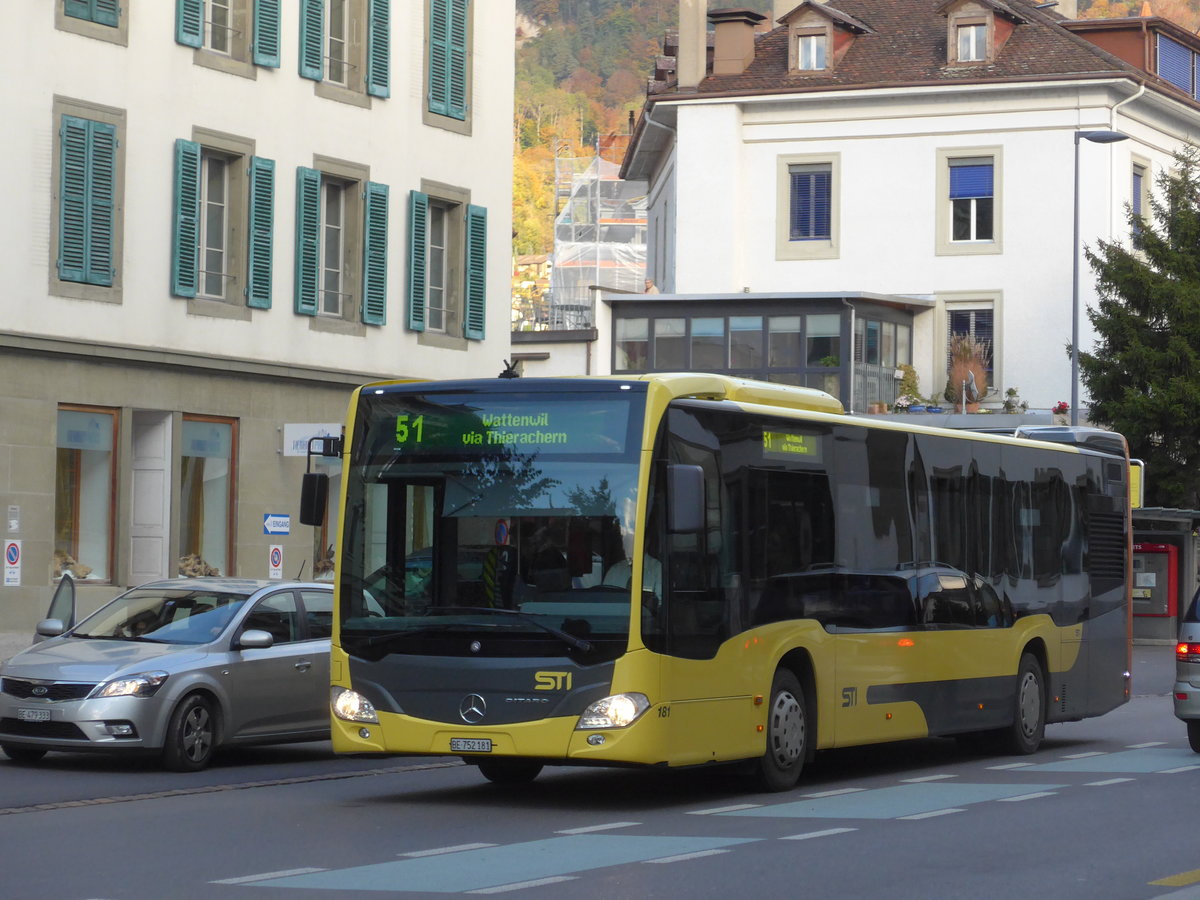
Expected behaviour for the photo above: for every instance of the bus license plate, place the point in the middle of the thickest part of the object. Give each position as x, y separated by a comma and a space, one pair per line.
473, 745
33, 715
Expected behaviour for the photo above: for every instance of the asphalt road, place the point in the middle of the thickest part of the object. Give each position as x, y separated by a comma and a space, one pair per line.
1102, 811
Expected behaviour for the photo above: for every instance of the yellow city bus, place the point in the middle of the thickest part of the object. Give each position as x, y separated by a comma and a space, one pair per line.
689, 569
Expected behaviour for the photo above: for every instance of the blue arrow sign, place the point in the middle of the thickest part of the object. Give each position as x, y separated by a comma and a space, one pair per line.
273, 523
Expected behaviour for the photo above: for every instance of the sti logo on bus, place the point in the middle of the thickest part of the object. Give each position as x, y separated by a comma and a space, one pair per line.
552, 681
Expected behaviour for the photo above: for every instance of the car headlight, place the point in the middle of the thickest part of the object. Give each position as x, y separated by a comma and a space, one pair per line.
617, 711
352, 706
143, 684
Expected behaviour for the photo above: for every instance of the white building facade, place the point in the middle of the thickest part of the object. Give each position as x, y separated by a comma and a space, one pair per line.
223, 215
919, 152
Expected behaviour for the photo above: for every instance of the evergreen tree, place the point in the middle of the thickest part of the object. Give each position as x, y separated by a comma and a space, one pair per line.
1144, 374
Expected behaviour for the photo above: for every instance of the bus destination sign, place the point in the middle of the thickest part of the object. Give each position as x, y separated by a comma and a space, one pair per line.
789, 445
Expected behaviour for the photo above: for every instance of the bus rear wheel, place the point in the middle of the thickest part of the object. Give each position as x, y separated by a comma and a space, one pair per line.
787, 734
1025, 734
509, 771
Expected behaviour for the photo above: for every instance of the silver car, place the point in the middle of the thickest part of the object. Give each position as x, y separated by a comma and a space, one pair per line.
178, 667
1187, 672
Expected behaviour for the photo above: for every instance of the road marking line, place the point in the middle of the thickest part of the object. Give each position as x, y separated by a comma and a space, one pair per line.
686, 856
927, 778
930, 815
1010, 766
1034, 796
723, 809
247, 879
1145, 745
1177, 771
824, 794
591, 828
438, 851
1083, 755
1183, 879
521, 885
817, 834
1107, 782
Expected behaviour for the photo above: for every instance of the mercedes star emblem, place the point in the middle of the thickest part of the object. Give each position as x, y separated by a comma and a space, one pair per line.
472, 709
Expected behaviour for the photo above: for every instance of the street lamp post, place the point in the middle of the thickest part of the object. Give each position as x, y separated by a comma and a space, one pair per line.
1096, 137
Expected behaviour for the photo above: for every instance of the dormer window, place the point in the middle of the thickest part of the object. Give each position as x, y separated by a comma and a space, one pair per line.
972, 42
810, 51
977, 30
819, 36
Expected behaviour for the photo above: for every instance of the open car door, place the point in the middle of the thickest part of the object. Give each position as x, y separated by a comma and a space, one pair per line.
62, 607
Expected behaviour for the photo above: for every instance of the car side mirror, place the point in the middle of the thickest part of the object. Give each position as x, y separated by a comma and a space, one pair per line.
48, 628
255, 639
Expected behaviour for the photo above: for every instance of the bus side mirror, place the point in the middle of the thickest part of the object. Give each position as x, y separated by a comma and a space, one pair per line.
685, 499
314, 493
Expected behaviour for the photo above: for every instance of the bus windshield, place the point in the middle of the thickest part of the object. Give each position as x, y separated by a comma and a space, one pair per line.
490, 524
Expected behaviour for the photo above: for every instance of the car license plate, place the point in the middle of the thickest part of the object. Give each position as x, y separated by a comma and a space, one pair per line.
472, 745
33, 715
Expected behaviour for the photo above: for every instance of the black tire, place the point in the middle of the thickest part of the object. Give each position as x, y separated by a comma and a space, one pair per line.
788, 735
191, 735
1193, 726
1028, 728
509, 771
20, 754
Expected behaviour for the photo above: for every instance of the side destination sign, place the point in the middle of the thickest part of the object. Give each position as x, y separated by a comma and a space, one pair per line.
789, 445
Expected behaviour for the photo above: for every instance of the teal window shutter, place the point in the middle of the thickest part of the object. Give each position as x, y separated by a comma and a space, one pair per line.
308, 234
266, 33
475, 314
185, 223
418, 244
456, 69
312, 35
379, 42
102, 12
189, 22
261, 231
374, 306
439, 55
107, 12
87, 200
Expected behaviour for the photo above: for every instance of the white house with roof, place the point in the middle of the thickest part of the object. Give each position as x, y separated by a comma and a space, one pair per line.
222, 216
843, 189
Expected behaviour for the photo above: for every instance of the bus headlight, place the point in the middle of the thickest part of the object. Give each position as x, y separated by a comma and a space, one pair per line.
351, 706
617, 711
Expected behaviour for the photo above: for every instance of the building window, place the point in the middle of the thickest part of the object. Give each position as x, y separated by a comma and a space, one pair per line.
448, 64
86, 244
223, 222
1139, 196
102, 12
206, 496
810, 51
447, 279
977, 323
632, 345
745, 342
670, 344
823, 340
231, 36
784, 342
341, 245
969, 202
972, 42
102, 20
345, 46
807, 192
84, 492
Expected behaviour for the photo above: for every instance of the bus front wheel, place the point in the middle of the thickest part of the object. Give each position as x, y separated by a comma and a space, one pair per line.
787, 734
509, 771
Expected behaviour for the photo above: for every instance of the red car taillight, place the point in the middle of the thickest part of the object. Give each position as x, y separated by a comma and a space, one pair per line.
1187, 652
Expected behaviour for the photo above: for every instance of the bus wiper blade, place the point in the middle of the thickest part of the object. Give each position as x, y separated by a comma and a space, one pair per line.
416, 632
583, 646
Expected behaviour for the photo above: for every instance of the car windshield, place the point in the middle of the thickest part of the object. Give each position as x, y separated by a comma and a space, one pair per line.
163, 615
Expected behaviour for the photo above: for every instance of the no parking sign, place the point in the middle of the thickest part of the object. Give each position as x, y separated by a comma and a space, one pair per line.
276, 560
12, 563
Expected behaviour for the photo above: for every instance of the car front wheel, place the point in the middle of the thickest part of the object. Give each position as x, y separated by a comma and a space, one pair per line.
191, 736
20, 754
